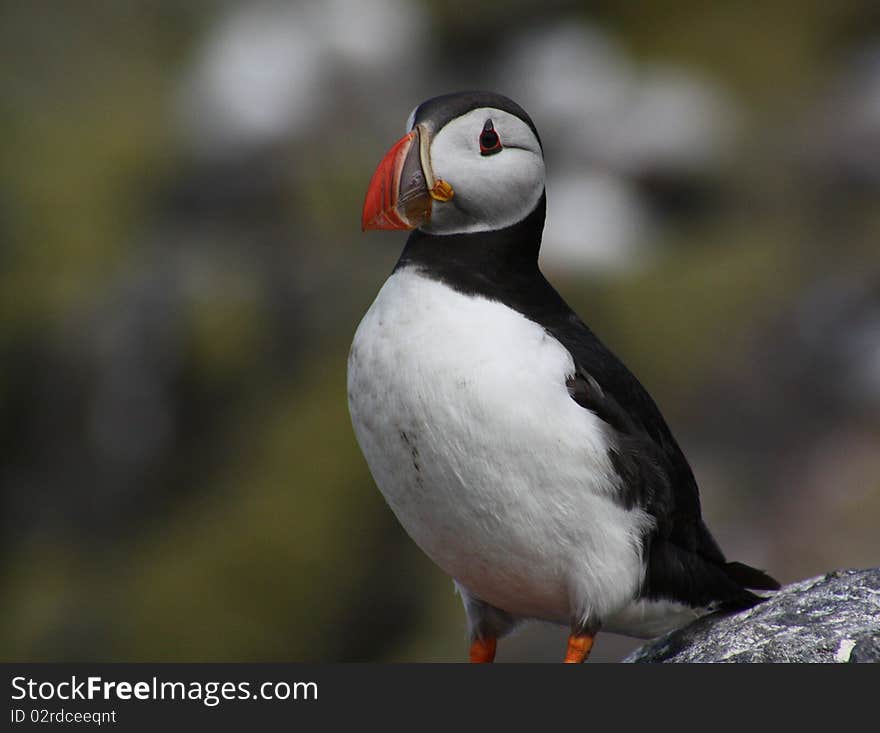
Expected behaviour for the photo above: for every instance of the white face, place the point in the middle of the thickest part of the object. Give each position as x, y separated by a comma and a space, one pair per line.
491, 191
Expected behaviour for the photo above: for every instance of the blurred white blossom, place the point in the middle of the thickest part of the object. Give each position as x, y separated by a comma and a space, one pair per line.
606, 121
265, 71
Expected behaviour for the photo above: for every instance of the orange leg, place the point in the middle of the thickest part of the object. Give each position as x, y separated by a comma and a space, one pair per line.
579, 646
483, 651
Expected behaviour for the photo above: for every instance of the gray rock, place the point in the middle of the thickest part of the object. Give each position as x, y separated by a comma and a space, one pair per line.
832, 618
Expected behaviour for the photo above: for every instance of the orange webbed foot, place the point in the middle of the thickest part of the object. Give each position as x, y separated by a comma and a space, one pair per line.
483, 651
579, 646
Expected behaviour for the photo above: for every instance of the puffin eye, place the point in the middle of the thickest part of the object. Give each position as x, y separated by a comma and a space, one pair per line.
490, 143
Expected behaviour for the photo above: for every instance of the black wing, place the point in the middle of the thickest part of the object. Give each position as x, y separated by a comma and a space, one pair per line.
684, 562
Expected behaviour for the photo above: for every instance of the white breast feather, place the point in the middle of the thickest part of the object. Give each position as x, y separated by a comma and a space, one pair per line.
461, 409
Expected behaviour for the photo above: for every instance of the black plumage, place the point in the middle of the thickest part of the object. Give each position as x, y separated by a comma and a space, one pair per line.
437, 111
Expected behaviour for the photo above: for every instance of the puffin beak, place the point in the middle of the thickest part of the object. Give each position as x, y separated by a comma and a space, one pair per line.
403, 187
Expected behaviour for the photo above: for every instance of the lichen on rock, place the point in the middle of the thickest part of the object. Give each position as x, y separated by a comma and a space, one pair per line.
831, 618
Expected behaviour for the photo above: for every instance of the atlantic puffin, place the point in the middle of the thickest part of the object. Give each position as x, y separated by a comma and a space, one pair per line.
516, 450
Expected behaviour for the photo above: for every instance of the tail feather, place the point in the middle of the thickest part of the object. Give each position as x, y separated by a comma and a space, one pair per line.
749, 577
700, 582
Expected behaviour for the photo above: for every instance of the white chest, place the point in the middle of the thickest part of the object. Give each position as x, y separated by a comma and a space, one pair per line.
461, 409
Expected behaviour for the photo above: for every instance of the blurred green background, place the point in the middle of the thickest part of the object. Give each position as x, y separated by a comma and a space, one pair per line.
182, 271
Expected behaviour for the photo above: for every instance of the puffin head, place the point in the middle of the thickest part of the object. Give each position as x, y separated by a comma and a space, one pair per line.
469, 162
